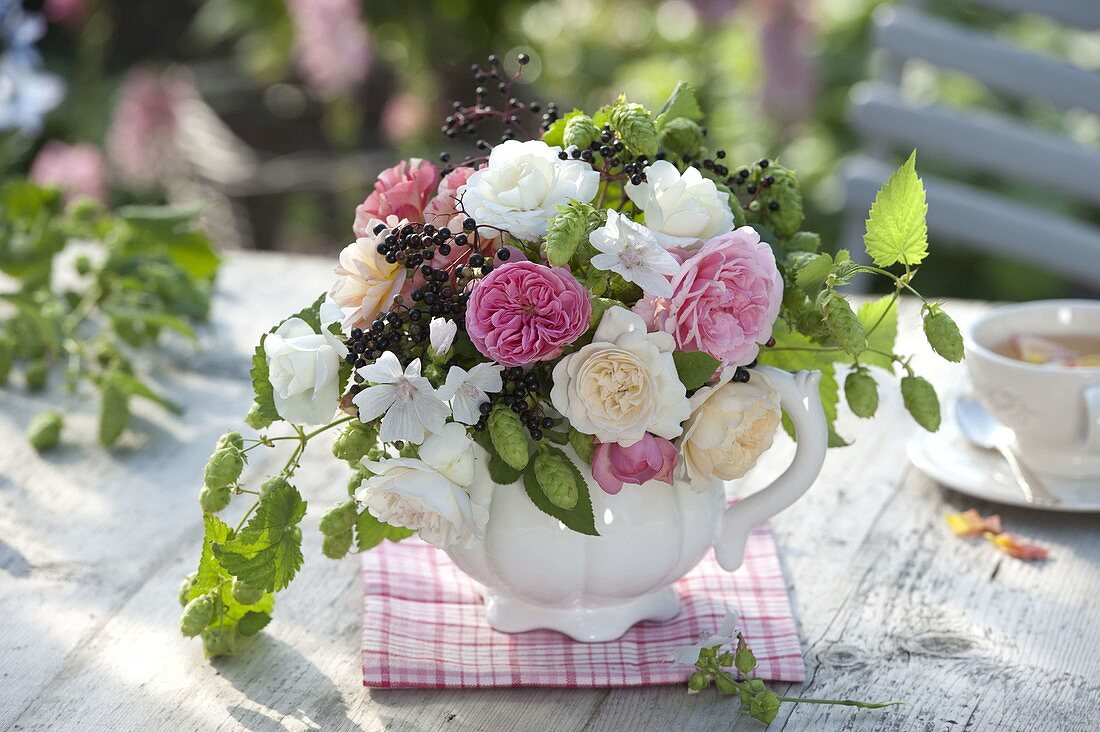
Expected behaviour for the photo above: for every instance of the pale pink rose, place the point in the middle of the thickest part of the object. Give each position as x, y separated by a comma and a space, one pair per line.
78, 170
402, 191
523, 312
651, 458
65, 12
404, 117
725, 299
443, 209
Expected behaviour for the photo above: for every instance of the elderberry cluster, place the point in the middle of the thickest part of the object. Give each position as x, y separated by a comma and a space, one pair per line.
612, 154
509, 114
520, 394
766, 181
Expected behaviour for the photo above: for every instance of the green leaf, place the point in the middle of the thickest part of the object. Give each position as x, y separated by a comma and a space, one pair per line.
601, 305
509, 437
253, 622
843, 324
896, 227
810, 269
694, 367
209, 574
804, 241
920, 399
880, 322
682, 103
370, 532
135, 387
501, 472
133, 315
268, 551
579, 518
942, 334
114, 412
555, 475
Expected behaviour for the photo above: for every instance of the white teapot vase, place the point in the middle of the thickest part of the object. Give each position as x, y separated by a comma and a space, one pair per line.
537, 573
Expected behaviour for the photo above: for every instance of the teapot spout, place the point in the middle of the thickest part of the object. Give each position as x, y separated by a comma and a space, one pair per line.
801, 400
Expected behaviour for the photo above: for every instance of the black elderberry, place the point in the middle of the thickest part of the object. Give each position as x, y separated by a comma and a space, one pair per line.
523, 59
547, 423
536, 434
379, 228
773, 205
764, 163
476, 260
485, 408
486, 269
469, 224
356, 333
503, 255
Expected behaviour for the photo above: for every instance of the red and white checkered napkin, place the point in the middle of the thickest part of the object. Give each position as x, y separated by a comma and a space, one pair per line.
424, 626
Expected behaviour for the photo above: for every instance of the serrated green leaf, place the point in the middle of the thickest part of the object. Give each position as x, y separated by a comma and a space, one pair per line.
681, 103
501, 472
582, 444
267, 552
694, 367
135, 387
253, 622
810, 269
579, 518
209, 574
897, 230
370, 532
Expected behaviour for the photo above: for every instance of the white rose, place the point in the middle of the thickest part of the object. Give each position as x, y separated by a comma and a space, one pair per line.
731, 426
522, 186
683, 210
303, 367
429, 494
623, 384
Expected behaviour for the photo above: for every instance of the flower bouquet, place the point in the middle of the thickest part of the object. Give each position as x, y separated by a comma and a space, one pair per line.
546, 359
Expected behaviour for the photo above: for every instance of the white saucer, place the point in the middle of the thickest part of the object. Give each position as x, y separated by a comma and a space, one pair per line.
948, 458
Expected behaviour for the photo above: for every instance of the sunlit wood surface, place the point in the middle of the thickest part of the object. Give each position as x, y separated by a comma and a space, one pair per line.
93, 546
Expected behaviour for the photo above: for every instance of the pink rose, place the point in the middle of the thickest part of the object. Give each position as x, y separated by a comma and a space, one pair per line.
523, 312
725, 299
402, 191
78, 170
651, 458
443, 209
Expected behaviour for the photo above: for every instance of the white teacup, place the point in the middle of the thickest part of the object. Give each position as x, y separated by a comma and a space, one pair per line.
1053, 409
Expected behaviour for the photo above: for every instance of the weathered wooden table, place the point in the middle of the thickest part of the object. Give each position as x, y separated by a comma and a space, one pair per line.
891, 606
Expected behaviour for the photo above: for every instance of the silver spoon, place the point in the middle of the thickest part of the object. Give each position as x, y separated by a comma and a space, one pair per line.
981, 428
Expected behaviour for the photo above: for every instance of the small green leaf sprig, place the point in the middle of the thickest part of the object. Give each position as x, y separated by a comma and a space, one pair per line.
731, 673
136, 273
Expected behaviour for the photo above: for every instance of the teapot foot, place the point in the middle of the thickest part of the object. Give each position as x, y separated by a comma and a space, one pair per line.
585, 623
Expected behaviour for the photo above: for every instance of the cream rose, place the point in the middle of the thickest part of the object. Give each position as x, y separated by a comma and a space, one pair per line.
430, 494
731, 426
303, 367
523, 184
682, 210
623, 384
366, 282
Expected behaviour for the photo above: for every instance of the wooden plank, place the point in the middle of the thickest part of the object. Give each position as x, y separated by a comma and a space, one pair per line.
977, 140
1082, 13
910, 33
890, 606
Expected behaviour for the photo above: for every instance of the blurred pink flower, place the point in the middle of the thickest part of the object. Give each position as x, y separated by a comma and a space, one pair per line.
78, 170
443, 209
65, 12
402, 191
651, 458
403, 118
331, 44
787, 36
141, 143
725, 299
523, 312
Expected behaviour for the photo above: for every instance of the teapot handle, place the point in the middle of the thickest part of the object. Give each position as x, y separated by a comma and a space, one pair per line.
801, 400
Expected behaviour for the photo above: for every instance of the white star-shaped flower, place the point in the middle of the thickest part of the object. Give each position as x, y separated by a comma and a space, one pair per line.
726, 635
632, 251
410, 403
468, 390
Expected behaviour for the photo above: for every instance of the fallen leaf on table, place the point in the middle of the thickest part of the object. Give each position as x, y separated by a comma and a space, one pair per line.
1014, 546
972, 523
